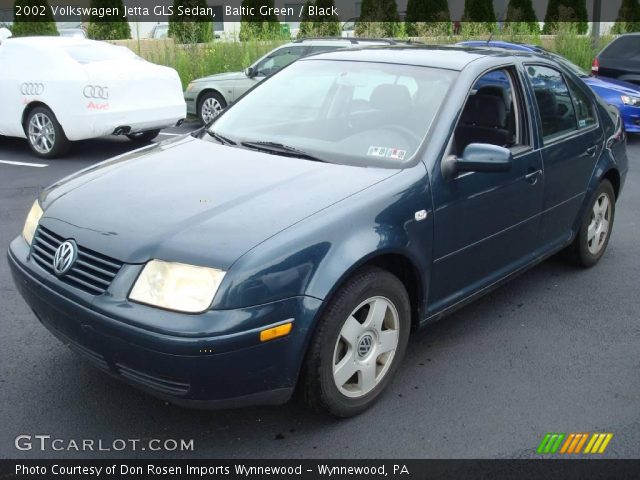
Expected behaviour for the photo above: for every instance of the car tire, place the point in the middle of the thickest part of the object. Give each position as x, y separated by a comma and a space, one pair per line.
368, 315
45, 135
143, 137
595, 230
210, 104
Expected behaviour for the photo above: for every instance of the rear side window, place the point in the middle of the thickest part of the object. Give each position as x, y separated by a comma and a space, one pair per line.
623, 47
553, 100
583, 105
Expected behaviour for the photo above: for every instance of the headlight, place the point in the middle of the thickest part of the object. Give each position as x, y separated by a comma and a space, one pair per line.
31, 223
630, 100
190, 87
176, 286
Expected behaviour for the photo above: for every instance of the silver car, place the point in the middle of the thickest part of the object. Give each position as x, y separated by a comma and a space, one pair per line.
207, 97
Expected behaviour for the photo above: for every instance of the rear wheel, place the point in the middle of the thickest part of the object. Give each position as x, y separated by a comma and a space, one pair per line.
359, 343
210, 106
593, 237
44, 134
143, 137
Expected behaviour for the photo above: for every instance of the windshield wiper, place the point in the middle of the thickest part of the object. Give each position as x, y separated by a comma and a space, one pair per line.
220, 138
280, 149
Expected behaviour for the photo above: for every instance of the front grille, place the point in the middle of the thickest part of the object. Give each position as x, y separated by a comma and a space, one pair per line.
92, 272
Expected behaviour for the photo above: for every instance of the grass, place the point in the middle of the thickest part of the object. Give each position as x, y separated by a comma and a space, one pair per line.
200, 60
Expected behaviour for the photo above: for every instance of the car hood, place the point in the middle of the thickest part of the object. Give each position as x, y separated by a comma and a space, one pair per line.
194, 201
223, 77
613, 84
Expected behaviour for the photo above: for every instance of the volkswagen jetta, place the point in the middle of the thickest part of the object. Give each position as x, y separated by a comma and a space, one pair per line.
298, 239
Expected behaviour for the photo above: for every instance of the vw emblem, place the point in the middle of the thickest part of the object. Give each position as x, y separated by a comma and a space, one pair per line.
96, 91
65, 257
29, 88
364, 345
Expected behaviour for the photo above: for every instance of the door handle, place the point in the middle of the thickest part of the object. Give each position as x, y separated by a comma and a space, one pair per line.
591, 150
532, 175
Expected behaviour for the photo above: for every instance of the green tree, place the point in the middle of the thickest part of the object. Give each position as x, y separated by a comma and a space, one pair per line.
628, 17
574, 11
326, 25
112, 27
378, 18
30, 25
306, 22
521, 12
428, 18
256, 26
200, 30
480, 12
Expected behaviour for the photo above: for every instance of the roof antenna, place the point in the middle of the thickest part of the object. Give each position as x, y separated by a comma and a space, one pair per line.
490, 38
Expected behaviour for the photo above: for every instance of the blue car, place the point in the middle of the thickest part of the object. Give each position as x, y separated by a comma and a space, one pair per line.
624, 95
299, 239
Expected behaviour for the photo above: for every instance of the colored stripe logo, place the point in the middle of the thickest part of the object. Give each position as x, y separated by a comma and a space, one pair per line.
574, 443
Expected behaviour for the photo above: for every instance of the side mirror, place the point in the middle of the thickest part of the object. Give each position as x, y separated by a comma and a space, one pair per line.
478, 157
250, 72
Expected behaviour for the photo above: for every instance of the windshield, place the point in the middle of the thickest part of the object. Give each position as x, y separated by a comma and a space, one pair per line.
96, 52
356, 113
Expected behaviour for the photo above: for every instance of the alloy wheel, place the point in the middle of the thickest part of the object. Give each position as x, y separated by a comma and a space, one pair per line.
365, 347
211, 108
42, 134
598, 229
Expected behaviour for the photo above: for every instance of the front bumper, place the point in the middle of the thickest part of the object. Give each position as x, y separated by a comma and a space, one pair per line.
228, 368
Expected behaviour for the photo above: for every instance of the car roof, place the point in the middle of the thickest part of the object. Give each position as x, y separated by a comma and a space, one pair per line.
339, 41
438, 56
523, 47
51, 42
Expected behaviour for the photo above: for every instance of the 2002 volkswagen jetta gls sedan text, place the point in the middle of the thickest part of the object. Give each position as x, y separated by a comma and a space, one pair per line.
299, 238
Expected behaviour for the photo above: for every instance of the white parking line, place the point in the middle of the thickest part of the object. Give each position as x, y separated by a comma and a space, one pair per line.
171, 134
25, 164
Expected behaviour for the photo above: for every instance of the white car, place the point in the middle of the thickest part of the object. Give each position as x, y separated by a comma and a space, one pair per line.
55, 90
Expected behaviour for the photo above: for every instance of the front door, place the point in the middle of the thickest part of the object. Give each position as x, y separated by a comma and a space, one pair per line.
487, 224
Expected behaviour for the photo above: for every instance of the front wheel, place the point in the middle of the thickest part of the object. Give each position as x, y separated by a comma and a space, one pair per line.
210, 106
143, 137
359, 343
593, 237
44, 134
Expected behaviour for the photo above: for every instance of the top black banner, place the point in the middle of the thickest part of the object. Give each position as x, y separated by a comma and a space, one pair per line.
292, 11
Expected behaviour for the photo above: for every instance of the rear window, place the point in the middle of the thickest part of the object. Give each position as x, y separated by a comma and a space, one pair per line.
97, 53
623, 47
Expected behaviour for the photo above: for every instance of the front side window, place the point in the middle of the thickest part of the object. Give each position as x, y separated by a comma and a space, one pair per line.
553, 100
356, 113
279, 59
492, 113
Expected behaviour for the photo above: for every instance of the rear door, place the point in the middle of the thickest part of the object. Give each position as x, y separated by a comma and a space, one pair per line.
571, 142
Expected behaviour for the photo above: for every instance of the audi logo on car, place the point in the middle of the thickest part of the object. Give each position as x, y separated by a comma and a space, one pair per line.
96, 91
31, 88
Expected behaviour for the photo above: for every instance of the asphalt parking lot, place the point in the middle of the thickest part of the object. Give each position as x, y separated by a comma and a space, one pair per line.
556, 350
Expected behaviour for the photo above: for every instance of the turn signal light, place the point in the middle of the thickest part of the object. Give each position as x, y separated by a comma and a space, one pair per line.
275, 332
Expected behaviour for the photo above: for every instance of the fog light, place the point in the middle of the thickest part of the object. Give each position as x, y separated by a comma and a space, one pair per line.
275, 332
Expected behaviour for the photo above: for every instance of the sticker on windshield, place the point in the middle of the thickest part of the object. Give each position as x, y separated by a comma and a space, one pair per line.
396, 153
377, 152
